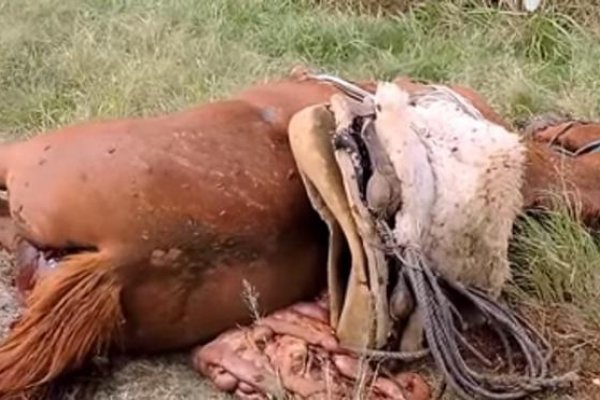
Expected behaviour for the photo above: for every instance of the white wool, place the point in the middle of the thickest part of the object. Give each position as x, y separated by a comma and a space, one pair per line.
409, 158
461, 177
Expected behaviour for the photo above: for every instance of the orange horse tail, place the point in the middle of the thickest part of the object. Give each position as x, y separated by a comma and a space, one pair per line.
72, 314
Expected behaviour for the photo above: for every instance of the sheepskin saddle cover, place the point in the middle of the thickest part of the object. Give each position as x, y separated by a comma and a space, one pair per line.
444, 179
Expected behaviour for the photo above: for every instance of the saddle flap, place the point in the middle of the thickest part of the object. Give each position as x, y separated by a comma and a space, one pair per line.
358, 297
350, 297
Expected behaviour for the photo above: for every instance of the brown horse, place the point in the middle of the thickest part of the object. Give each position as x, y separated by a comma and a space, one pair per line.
149, 227
139, 234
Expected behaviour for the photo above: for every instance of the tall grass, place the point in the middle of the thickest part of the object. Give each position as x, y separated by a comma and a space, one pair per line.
557, 262
67, 60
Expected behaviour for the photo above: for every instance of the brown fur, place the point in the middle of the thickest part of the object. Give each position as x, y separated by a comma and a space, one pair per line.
549, 173
571, 135
174, 212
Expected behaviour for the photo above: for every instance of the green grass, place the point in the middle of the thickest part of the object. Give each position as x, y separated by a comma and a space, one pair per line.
63, 61
69, 60
557, 262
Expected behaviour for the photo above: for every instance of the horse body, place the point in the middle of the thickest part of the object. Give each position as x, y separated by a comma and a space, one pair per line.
183, 207
158, 223
170, 215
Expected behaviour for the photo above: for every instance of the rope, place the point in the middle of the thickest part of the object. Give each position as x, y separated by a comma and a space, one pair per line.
443, 338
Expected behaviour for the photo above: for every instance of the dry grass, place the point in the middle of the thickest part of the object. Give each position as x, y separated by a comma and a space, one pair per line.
63, 61
583, 10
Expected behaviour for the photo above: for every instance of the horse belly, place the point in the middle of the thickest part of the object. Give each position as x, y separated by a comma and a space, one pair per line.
169, 308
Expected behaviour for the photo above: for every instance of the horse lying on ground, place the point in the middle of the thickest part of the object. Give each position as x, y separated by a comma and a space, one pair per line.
139, 234
146, 229
262, 342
